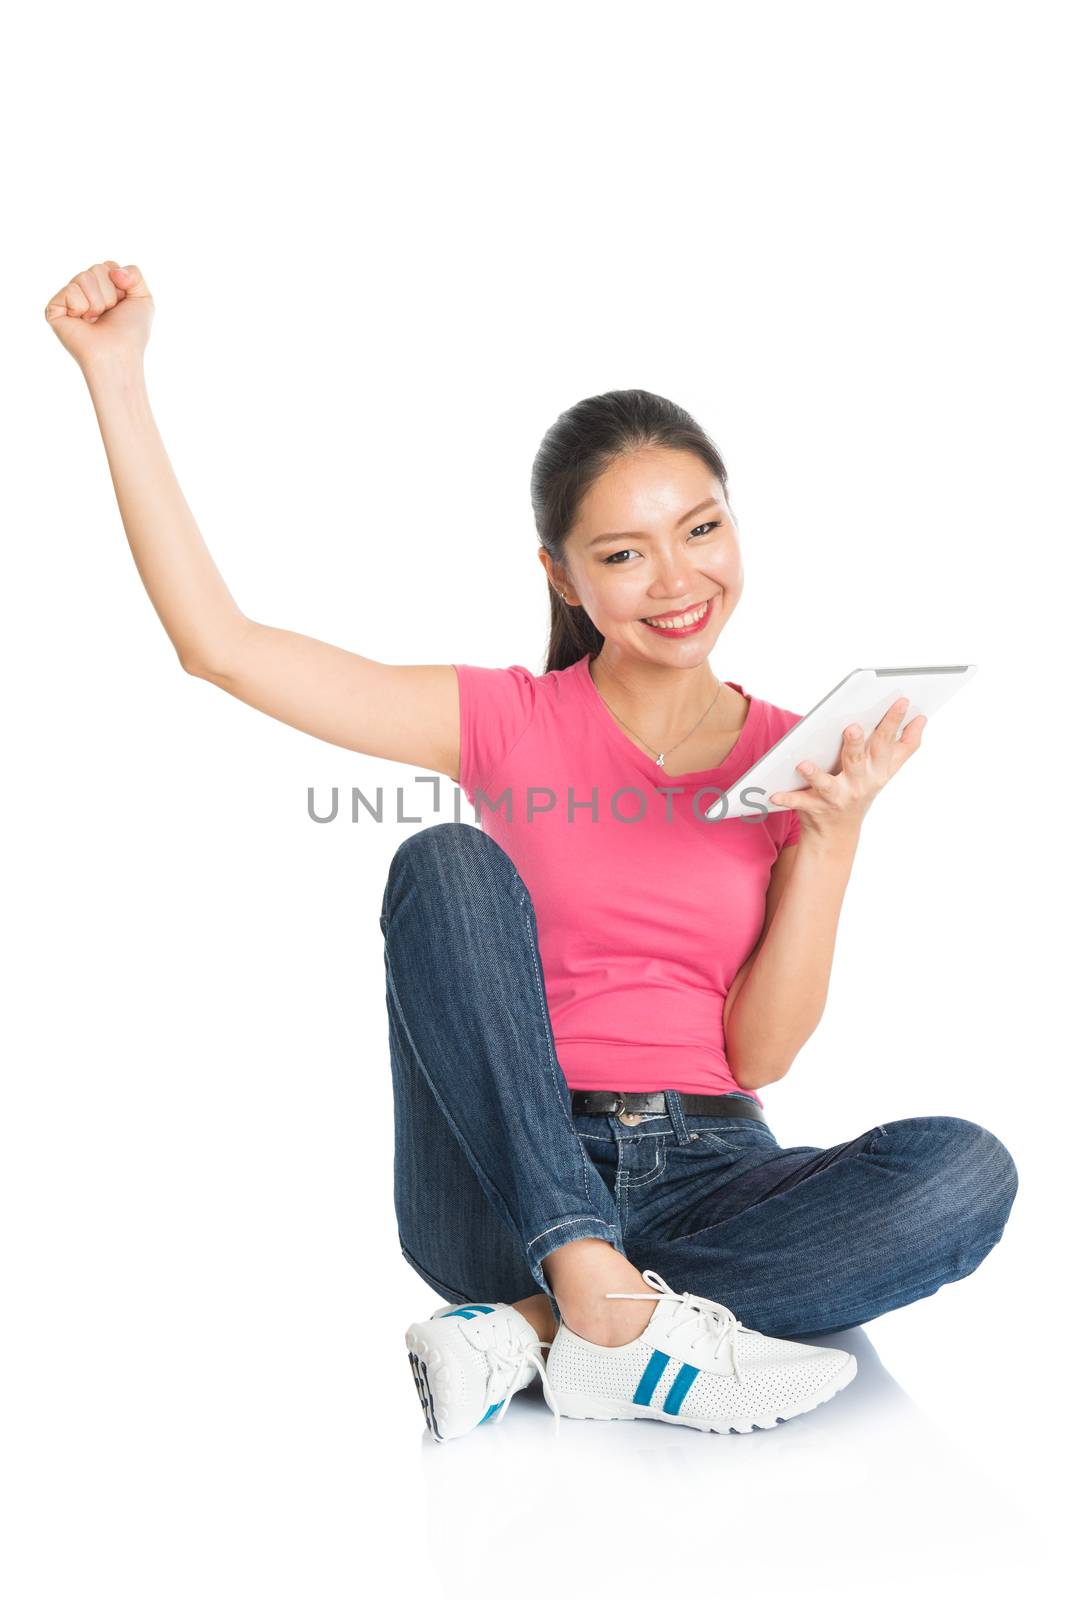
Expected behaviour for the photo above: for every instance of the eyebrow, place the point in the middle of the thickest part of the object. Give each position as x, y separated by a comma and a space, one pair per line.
603, 538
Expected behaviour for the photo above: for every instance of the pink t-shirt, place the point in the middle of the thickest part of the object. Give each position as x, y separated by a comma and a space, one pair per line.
645, 911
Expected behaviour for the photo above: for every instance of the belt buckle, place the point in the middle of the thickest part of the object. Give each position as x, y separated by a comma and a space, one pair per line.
629, 1118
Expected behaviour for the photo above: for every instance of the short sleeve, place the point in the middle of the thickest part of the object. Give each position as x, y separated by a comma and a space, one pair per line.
496, 709
793, 829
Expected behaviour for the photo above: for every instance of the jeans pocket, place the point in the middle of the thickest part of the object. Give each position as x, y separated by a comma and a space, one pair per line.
604, 1155
731, 1134
646, 1166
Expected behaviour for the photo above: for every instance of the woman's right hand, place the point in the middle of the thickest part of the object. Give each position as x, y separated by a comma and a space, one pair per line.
103, 313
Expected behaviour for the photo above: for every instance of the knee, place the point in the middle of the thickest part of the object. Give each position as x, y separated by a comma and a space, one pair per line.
967, 1171
986, 1168
449, 858
448, 848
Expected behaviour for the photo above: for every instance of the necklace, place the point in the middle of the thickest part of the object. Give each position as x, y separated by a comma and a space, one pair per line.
664, 753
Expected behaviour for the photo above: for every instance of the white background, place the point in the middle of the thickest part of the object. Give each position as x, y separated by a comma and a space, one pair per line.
387, 248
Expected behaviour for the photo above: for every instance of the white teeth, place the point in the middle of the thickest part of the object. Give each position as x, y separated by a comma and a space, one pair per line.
679, 622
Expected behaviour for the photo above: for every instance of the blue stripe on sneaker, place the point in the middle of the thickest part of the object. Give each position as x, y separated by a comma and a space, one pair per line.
649, 1378
490, 1412
466, 1311
677, 1393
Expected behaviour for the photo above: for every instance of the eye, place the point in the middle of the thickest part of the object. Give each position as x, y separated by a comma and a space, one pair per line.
701, 531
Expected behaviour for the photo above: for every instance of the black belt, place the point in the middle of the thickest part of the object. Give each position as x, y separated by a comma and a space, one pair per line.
608, 1103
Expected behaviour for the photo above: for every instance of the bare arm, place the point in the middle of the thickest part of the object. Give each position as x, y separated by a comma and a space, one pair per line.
401, 713
776, 1004
185, 586
777, 999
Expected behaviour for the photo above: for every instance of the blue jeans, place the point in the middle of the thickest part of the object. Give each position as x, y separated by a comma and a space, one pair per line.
492, 1171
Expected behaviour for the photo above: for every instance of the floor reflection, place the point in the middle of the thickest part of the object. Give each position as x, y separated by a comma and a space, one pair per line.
865, 1487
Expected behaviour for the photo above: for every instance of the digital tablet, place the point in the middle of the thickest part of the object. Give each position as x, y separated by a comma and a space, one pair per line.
864, 696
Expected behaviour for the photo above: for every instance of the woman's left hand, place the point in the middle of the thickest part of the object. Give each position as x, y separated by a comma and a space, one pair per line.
836, 804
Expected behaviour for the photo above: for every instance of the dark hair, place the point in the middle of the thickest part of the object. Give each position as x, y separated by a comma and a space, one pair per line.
578, 447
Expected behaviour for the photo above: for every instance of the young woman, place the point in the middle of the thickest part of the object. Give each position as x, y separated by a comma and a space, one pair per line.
586, 993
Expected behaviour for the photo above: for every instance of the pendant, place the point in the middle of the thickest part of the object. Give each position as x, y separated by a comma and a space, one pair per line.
660, 761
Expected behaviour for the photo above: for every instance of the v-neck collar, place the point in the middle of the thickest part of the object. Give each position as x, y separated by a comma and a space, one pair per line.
735, 762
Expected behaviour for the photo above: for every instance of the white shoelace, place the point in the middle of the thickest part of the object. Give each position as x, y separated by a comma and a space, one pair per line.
507, 1356
711, 1320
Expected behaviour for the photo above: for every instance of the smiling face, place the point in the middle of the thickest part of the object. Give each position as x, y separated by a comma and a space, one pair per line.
654, 536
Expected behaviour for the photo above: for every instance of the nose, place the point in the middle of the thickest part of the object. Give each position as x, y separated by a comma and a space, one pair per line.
673, 579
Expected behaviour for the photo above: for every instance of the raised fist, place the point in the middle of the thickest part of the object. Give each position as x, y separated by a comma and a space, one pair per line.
104, 312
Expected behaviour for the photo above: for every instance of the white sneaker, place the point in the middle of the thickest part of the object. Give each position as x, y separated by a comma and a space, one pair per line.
694, 1363
468, 1361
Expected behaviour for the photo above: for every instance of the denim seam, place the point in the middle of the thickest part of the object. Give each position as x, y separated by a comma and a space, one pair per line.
461, 1141
566, 1224
439, 1283
720, 1138
647, 1177
632, 1135
547, 1027
711, 1139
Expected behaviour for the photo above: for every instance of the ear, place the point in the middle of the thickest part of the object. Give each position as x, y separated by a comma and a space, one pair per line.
554, 573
